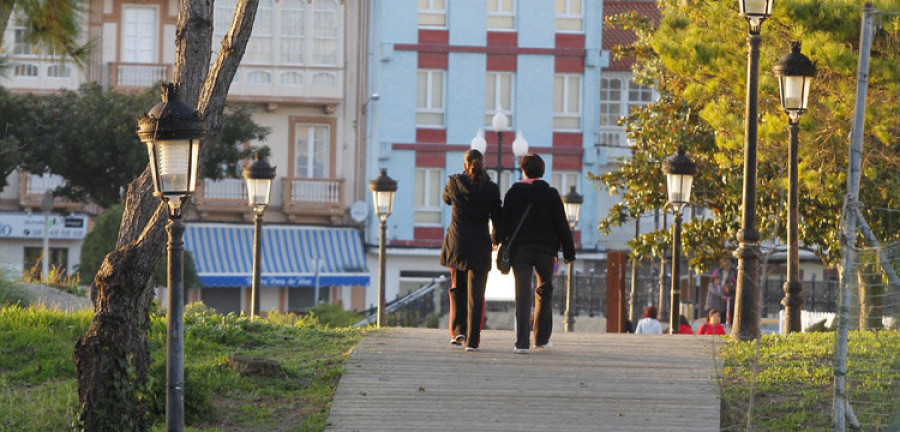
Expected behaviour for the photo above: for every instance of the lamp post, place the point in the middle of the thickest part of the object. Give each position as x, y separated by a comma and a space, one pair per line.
680, 171
795, 73
383, 189
572, 202
172, 132
746, 318
500, 123
46, 207
259, 177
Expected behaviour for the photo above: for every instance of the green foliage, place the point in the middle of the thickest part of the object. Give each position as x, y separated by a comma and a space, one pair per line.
88, 137
223, 152
794, 380
54, 25
698, 65
37, 376
11, 294
335, 316
99, 242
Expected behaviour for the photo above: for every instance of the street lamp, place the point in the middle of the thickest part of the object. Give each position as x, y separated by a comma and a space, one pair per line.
680, 171
500, 123
746, 318
383, 189
172, 132
46, 207
795, 73
259, 177
572, 202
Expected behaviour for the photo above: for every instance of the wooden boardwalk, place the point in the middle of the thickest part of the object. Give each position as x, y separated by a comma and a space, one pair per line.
404, 379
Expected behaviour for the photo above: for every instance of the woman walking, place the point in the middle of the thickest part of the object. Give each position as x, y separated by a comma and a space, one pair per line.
536, 209
467, 246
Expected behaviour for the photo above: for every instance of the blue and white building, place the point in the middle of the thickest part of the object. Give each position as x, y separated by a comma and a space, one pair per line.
439, 71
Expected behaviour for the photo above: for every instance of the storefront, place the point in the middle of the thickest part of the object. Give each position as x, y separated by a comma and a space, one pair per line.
299, 264
22, 237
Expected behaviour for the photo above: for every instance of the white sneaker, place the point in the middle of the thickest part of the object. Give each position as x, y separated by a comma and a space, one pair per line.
521, 350
458, 340
548, 345
471, 349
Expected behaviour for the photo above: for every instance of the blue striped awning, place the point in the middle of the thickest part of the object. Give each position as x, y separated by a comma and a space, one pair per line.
223, 254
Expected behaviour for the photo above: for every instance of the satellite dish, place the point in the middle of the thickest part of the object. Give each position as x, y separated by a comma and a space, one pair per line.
358, 211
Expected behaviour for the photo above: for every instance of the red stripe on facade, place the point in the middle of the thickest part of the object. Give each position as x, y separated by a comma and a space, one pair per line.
501, 62
567, 139
567, 64
431, 147
497, 49
431, 136
429, 60
430, 159
441, 37
576, 235
567, 162
503, 38
569, 40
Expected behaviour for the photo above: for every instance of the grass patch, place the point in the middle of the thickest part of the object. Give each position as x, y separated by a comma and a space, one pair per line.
38, 391
794, 381
11, 294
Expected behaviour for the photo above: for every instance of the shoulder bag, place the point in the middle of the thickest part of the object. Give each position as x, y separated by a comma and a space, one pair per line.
503, 254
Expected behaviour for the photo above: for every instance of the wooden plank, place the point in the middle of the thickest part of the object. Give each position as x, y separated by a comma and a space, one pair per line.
404, 379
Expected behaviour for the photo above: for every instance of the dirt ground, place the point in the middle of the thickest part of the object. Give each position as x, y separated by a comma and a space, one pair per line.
56, 299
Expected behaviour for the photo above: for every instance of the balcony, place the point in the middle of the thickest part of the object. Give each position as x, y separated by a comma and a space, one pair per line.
33, 186
138, 76
313, 197
222, 196
303, 200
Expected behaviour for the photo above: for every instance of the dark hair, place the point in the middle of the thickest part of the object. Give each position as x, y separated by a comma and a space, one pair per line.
683, 321
713, 312
532, 165
650, 312
475, 166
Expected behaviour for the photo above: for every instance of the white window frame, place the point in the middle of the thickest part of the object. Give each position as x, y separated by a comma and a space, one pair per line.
491, 105
310, 129
432, 186
18, 43
430, 10
432, 106
563, 180
301, 8
569, 13
501, 13
507, 177
272, 35
611, 133
316, 26
566, 113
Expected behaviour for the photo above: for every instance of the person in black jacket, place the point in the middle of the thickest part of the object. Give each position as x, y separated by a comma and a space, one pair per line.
534, 249
467, 246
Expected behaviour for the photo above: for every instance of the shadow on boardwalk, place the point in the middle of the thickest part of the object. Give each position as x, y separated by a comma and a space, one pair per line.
405, 379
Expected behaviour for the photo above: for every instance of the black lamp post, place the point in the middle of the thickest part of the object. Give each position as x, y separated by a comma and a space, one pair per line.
172, 132
746, 318
680, 171
572, 202
795, 73
259, 177
383, 189
500, 123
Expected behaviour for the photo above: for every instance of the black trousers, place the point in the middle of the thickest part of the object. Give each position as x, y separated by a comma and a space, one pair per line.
526, 261
467, 304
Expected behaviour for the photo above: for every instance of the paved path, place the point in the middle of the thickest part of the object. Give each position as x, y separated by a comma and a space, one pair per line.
414, 380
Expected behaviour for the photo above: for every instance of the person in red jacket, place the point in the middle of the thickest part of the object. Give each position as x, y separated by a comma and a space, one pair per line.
713, 326
684, 327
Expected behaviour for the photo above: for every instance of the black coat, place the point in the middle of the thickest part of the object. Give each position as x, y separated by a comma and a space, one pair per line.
467, 245
545, 227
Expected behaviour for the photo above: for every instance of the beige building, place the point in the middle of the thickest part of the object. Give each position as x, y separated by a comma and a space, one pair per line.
304, 71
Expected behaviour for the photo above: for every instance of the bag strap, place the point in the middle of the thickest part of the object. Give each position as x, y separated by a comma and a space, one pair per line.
513, 237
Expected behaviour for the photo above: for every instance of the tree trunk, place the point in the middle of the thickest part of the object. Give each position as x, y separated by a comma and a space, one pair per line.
112, 359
